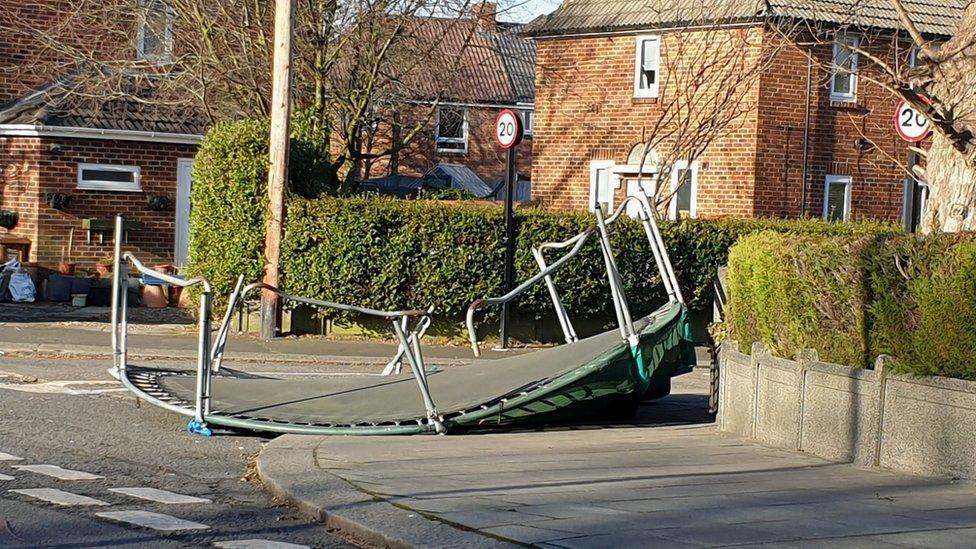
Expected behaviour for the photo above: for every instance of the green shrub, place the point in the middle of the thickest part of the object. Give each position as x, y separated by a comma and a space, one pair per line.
853, 298
924, 311
229, 195
795, 292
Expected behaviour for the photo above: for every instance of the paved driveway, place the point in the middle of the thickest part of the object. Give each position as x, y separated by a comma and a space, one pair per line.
669, 479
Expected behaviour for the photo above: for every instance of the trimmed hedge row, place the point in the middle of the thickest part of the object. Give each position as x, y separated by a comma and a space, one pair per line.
854, 298
390, 254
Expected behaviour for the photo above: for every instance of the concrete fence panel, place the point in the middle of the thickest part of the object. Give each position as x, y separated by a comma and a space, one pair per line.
841, 413
917, 425
778, 400
737, 388
929, 426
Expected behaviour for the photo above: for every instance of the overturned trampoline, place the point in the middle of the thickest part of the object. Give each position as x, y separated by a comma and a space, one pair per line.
607, 374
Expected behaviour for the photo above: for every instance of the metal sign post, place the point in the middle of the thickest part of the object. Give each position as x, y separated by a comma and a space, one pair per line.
508, 133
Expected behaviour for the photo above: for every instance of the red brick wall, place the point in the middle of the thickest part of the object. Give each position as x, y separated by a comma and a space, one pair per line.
56, 170
483, 155
26, 63
835, 129
19, 167
586, 109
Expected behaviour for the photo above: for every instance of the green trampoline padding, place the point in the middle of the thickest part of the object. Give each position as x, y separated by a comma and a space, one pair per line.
569, 381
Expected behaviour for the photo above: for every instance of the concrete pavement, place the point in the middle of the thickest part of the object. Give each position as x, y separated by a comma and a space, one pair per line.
176, 341
668, 479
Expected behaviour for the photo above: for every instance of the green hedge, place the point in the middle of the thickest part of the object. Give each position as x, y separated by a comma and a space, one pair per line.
924, 307
229, 195
798, 292
854, 298
389, 254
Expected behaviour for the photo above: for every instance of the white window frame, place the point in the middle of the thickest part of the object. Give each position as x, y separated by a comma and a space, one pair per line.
167, 55
595, 167
912, 62
654, 89
464, 131
848, 182
673, 206
528, 122
848, 41
96, 185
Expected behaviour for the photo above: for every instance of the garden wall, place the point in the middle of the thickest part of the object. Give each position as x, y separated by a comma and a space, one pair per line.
871, 417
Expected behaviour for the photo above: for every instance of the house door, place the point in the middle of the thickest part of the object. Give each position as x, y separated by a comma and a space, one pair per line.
184, 174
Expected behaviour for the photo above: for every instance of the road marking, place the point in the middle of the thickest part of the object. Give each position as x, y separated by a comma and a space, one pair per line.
59, 497
159, 496
5, 477
9, 457
63, 387
57, 472
155, 521
257, 544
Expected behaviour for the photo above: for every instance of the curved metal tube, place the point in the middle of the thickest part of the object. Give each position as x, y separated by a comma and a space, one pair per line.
331, 305
169, 279
481, 303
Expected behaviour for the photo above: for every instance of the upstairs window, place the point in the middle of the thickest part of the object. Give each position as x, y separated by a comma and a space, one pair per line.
647, 66
843, 80
837, 198
155, 40
452, 130
109, 177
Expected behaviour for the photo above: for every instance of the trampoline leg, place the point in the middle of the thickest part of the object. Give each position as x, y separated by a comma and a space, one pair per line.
417, 365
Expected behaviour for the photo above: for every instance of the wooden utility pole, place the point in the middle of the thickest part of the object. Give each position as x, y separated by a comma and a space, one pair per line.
278, 169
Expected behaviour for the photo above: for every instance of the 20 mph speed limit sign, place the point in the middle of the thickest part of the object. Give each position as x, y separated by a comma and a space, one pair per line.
508, 129
912, 125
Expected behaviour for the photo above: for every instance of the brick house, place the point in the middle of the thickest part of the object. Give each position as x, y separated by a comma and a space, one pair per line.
819, 127
496, 70
106, 157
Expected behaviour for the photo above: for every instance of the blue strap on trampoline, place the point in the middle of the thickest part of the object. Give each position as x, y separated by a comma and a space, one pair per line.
197, 428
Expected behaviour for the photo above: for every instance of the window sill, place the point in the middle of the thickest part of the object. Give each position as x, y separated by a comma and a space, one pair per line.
452, 151
852, 104
107, 188
645, 99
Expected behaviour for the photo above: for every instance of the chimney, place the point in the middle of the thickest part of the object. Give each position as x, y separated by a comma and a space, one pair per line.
484, 14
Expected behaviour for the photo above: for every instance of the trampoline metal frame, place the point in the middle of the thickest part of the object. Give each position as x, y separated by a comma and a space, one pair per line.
210, 352
649, 221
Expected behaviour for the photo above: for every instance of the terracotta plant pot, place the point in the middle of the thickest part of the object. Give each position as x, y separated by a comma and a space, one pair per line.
154, 297
103, 270
164, 268
66, 269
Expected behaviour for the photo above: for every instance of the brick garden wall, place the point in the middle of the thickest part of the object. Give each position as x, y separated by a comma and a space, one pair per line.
586, 109
483, 155
835, 129
31, 168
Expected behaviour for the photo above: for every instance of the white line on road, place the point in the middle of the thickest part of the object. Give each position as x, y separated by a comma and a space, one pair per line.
257, 544
5, 477
155, 521
9, 457
57, 472
59, 497
159, 496
64, 387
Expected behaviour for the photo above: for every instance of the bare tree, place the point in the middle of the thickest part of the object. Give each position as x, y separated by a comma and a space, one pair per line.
936, 77
355, 60
708, 91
